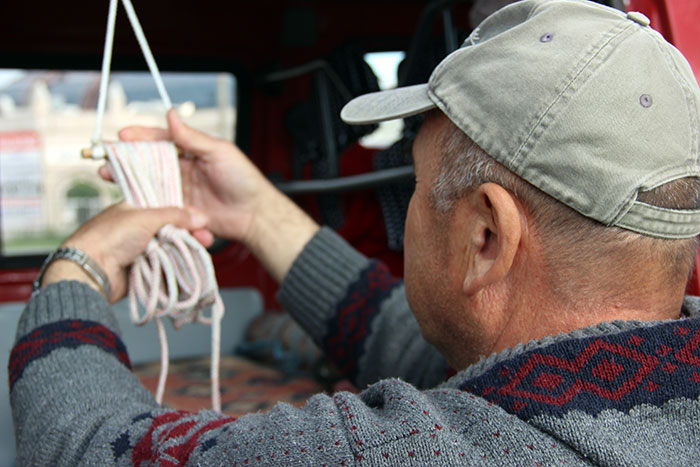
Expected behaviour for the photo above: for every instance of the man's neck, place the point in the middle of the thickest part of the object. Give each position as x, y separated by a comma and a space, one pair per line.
531, 316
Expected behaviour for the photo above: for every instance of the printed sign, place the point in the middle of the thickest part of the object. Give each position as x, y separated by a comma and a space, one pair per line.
20, 183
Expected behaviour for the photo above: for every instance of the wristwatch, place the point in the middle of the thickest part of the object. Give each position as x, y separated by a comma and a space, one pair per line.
81, 259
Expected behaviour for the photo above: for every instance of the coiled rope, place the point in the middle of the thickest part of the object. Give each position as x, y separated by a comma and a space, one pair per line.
175, 277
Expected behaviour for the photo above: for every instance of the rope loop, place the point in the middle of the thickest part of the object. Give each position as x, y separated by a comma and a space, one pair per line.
175, 276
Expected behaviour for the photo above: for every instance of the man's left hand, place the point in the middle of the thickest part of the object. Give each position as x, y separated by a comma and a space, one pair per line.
115, 238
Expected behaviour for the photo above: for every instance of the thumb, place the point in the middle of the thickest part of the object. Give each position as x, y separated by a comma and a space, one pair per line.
186, 218
189, 139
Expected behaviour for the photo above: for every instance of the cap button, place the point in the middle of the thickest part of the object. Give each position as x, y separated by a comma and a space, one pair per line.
638, 17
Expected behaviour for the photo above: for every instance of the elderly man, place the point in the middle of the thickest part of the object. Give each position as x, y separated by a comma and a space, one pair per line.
547, 248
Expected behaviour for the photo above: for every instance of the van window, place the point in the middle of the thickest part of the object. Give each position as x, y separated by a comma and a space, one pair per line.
48, 116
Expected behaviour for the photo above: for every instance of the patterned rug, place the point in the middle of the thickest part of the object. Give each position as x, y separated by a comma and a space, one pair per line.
246, 386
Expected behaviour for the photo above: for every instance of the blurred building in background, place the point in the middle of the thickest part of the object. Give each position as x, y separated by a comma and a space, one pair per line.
47, 117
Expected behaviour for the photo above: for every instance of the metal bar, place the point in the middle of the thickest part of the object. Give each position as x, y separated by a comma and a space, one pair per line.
350, 183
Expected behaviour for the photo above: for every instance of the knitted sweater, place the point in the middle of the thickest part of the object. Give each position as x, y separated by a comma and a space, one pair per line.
621, 393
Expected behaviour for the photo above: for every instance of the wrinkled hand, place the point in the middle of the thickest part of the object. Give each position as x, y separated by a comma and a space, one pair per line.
217, 178
239, 202
115, 238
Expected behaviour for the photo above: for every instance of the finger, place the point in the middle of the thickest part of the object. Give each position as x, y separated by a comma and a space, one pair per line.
154, 219
198, 218
188, 138
142, 133
121, 206
203, 236
105, 173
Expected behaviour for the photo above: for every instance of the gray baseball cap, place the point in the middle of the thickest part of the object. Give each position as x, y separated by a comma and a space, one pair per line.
585, 102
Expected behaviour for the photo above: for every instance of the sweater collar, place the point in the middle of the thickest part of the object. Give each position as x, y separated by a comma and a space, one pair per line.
615, 364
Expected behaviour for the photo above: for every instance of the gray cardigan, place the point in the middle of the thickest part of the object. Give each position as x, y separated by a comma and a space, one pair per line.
621, 393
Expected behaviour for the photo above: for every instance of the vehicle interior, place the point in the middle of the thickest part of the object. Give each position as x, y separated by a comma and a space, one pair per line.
271, 76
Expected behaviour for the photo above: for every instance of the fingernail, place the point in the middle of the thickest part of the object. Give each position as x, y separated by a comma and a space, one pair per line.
198, 219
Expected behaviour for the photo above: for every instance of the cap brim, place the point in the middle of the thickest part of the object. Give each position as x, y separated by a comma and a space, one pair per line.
387, 105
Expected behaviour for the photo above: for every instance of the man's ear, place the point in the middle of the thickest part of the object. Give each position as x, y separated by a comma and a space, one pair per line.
494, 237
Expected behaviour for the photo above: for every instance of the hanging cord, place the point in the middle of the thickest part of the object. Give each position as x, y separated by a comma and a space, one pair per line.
97, 150
175, 276
107, 60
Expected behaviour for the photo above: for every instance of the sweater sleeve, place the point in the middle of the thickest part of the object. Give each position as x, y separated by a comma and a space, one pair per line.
358, 314
69, 374
75, 401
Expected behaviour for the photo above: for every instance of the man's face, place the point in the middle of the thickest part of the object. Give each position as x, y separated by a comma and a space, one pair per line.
427, 258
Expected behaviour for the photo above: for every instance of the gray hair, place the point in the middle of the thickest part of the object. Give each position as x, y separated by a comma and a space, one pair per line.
579, 249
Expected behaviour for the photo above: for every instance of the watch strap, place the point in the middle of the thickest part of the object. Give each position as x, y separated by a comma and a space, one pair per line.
81, 259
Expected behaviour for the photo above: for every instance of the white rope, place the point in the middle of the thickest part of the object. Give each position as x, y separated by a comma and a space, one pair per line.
136, 26
104, 78
175, 276
107, 60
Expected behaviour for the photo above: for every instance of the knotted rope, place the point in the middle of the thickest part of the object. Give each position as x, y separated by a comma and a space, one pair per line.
175, 276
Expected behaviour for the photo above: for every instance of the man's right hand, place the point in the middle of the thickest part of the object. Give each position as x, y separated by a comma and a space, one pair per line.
217, 178
241, 204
